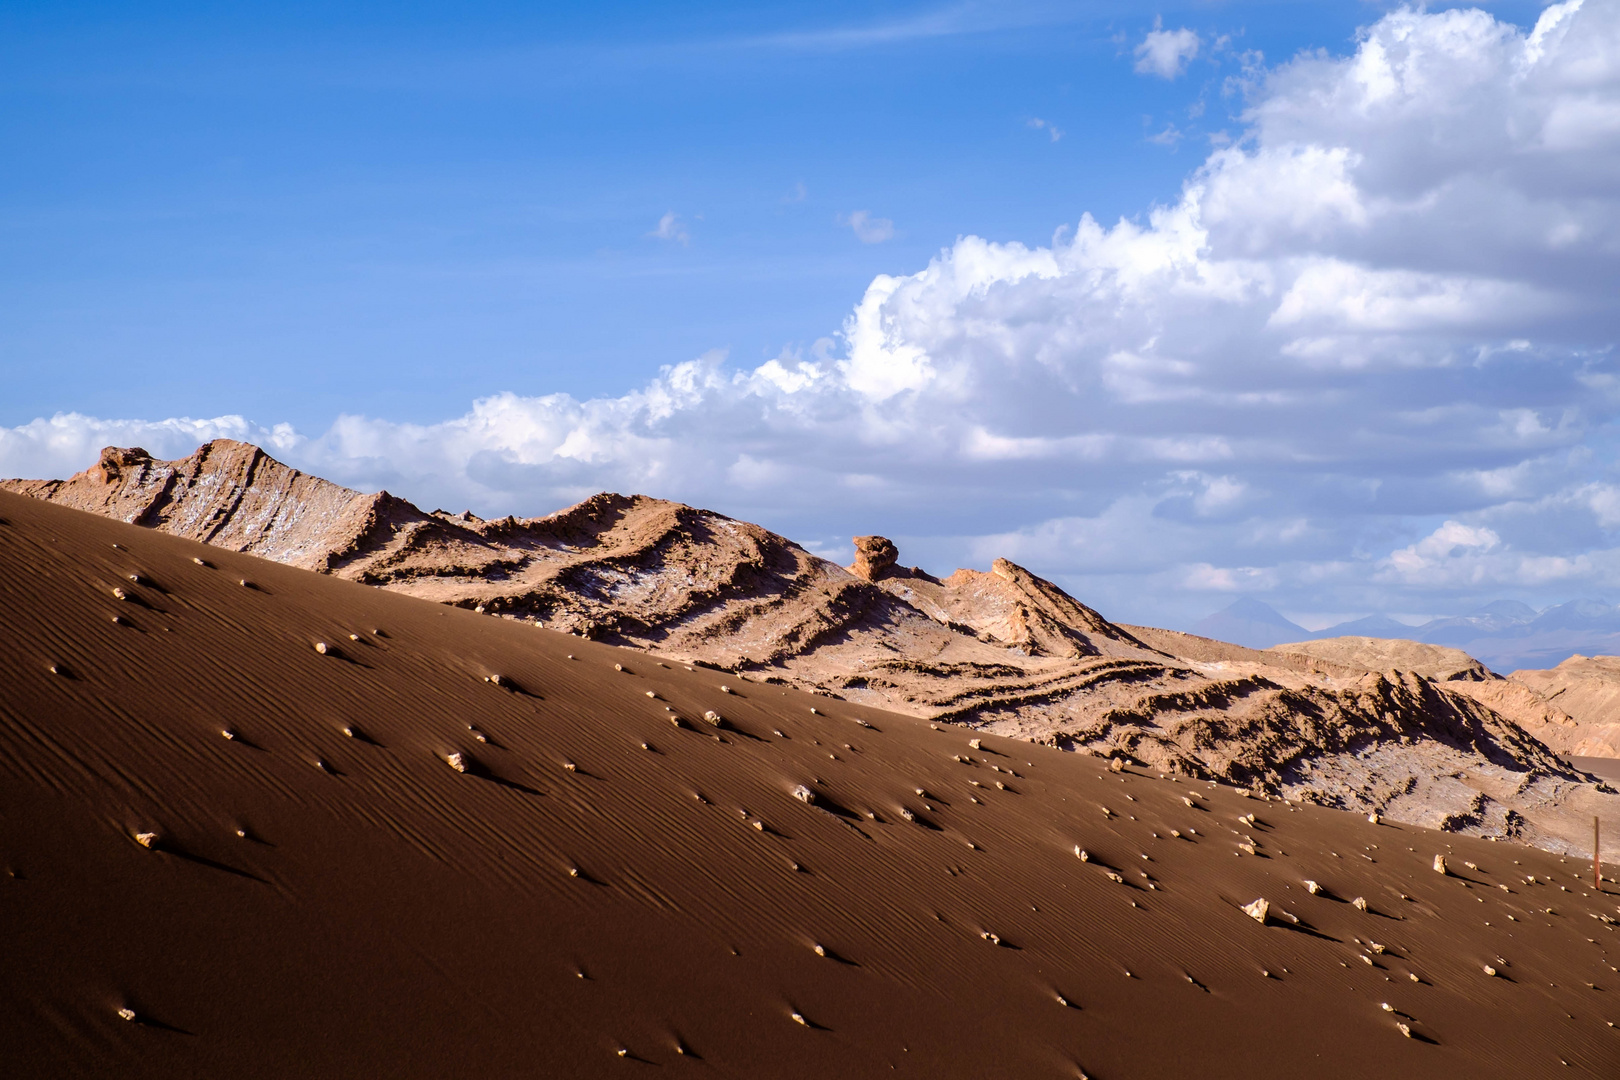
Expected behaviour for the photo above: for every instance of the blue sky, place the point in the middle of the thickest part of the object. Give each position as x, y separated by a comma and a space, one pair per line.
827, 267
297, 210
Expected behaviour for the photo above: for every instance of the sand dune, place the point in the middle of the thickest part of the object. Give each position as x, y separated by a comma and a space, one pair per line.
614, 885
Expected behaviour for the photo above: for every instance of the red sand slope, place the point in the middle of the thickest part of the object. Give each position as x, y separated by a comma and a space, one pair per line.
385, 915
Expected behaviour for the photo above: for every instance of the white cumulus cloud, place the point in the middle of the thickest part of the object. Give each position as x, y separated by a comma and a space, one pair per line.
1363, 360
1166, 53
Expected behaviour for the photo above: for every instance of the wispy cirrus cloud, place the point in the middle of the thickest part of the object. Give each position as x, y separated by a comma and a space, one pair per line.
948, 21
1047, 126
867, 228
671, 227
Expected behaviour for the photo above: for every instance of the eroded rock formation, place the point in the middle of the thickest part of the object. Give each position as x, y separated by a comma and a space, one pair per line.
1366, 725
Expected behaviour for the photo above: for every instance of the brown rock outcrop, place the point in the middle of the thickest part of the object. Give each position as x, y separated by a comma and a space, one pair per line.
874, 556
1003, 651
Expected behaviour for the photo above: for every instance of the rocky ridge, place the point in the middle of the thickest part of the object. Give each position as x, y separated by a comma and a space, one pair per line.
1002, 651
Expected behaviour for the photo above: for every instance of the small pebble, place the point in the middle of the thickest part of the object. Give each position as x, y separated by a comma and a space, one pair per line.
126, 1014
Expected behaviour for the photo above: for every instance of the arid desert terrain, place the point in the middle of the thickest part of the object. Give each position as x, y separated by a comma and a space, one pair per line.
728, 809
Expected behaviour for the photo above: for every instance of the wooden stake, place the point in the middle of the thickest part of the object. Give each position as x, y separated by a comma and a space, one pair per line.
1597, 862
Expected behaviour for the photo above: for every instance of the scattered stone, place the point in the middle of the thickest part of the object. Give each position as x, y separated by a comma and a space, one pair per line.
1258, 911
1359, 903
1490, 971
456, 762
725, 689
570, 766
120, 594
813, 711
1440, 864
1082, 854
973, 744
1114, 877
819, 951
1116, 765
126, 1014
798, 1019
1404, 1030
228, 733
1312, 887
323, 648
198, 561
712, 717
1373, 817
147, 839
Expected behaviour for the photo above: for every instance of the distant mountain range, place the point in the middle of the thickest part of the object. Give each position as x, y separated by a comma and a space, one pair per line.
1505, 634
